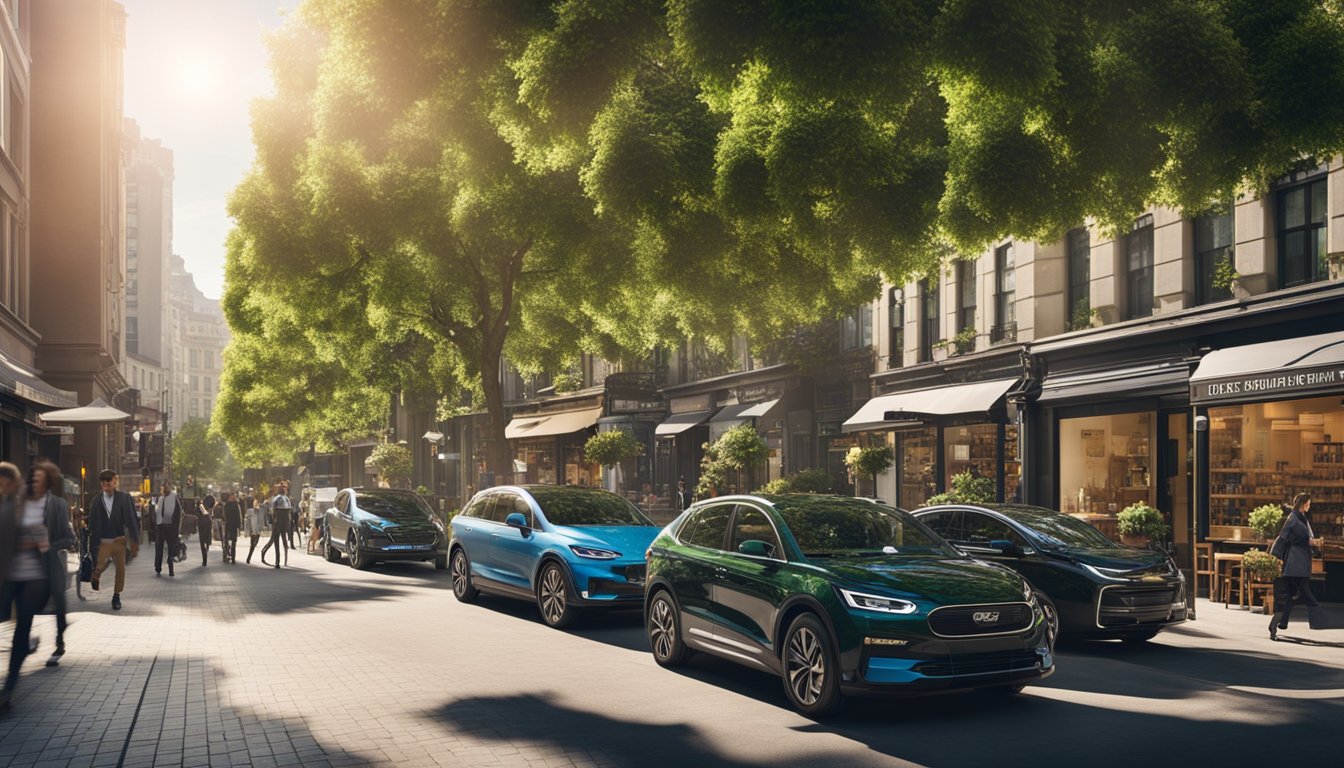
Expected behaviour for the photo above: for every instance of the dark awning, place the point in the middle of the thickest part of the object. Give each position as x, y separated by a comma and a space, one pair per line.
911, 408
22, 382
1168, 377
680, 422
1310, 365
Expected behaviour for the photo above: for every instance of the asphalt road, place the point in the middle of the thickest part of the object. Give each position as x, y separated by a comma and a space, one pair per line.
317, 665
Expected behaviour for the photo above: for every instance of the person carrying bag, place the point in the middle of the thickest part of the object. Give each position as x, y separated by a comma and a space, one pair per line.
1293, 546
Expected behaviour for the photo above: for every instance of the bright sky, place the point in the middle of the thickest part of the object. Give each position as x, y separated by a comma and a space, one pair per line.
193, 68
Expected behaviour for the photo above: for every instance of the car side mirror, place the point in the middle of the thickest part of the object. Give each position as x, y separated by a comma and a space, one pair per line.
1008, 548
755, 548
516, 520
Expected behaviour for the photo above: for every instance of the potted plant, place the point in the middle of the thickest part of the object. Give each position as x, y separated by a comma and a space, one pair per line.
1260, 567
869, 462
613, 449
1266, 520
1140, 525
967, 488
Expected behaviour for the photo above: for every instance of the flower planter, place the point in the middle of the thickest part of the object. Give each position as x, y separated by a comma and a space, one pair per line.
1133, 540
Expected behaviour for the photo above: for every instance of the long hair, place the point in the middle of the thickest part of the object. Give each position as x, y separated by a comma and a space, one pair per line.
53, 474
1300, 501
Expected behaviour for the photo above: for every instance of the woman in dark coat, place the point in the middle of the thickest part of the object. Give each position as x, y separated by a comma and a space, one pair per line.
205, 522
1295, 542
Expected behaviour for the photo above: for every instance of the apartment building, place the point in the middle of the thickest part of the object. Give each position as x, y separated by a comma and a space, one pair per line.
198, 335
1195, 364
149, 242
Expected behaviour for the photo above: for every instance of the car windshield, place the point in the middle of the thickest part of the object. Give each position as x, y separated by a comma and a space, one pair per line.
830, 525
1057, 530
580, 506
393, 506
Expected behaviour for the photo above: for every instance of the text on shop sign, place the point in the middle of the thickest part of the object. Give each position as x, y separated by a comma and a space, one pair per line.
1274, 382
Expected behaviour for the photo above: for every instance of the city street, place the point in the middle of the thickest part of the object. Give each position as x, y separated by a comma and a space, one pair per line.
320, 665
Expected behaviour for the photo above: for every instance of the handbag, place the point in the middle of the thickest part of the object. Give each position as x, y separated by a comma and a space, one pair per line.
1279, 548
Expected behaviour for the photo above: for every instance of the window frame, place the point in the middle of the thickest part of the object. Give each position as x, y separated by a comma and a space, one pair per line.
696, 517
1207, 258
1139, 282
928, 326
732, 533
1317, 267
967, 306
895, 327
1005, 300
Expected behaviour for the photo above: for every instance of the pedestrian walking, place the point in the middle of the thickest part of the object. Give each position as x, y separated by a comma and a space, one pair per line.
252, 527
281, 519
683, 495
35, 532
113, 533
167, 523
1294, 546
233, 520
205, 521
294, 523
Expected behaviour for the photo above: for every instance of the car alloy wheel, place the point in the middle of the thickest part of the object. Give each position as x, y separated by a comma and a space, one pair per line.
333, 554
553, 597
664, 635
1051, 619
810, 674
357, 559
462, 587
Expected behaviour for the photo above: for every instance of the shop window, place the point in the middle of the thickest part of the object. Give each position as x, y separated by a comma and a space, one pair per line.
919, 479
1106, 464
1266, 453
1080, 274
1139, 269
965, 295
1301, 223
1005, 295
1213, 257
896, 328
928, 318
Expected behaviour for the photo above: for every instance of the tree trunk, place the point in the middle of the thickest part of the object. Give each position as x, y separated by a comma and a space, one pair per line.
500, 457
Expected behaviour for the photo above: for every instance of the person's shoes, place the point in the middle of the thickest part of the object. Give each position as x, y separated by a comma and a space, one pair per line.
55, 660
158, 573
1273, 631
4, 700
116, 602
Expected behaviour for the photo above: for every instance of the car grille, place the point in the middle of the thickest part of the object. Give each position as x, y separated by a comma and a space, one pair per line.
402, 536
980, 664
972, 620
1127, 607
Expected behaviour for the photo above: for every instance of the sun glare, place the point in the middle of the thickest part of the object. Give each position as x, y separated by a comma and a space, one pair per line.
197, 78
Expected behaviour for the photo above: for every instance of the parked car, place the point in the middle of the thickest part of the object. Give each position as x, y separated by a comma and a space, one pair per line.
1088, 585
564, 548
837, 596
371, 525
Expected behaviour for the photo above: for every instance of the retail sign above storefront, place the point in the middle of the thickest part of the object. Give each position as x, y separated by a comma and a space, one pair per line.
1312, 365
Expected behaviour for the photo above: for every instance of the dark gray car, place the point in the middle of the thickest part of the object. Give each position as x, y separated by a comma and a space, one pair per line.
370, 525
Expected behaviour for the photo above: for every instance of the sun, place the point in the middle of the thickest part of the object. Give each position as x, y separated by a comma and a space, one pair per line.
197, 78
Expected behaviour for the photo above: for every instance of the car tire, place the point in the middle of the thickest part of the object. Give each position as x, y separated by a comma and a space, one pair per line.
1051, 618
811, 669
441, 563
554, 598
332, 554
358, 560
1138, 638
664, 631
463, 589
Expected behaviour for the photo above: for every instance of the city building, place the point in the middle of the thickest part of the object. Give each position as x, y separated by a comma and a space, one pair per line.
76, 221
23, 391
149, 244
198, 335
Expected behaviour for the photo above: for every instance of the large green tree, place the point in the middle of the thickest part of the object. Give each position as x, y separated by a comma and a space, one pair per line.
199, 453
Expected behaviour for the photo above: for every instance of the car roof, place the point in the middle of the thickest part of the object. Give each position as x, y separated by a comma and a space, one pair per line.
1021, 513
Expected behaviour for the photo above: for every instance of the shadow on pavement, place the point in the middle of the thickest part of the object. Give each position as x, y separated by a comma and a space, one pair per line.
1218, 668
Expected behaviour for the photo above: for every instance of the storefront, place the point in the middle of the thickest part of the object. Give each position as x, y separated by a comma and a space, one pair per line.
1274, 423
548, 447
940, 432
23, 396
1120, 437
679, 442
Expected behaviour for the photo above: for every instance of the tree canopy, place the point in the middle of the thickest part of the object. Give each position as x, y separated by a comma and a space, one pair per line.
201, 454
443, 185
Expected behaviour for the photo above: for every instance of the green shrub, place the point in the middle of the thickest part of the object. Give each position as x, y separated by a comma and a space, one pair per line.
1266, 520
967, 488
1139, 519
1261, 566
612, 447
807, 481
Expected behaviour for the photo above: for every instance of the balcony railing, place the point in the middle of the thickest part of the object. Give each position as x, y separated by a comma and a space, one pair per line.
1003, 334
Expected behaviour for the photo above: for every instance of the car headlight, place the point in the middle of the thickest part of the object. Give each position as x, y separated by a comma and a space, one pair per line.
594, 553
438, 526
1109, 574
878, 603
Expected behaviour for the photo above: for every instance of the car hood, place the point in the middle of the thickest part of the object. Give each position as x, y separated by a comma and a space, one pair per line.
1123, 559
630, 540
398, 521
945, 581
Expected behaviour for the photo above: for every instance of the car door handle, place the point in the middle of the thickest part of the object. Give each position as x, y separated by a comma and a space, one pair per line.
468, 530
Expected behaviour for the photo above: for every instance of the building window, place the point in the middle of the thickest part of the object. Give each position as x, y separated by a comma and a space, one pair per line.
1079, 297
195, 383
1301, 219
1213, 250
133, 334
856, 329
195, 358
896, 329
209, 359
1139, 269
1005, 295
928, 318
965, 295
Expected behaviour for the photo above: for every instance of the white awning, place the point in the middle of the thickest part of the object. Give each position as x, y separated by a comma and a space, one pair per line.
680, 422
760, 409
1302, 366
97, 412
552, 424
920, 406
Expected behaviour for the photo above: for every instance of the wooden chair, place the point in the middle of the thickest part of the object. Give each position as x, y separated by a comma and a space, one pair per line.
1204, 569
1263, 589
1233, 582
1224, 564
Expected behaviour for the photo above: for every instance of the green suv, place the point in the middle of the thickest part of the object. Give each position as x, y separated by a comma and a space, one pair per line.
838, 596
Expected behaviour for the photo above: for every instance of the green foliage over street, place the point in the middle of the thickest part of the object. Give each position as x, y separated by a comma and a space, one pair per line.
736, 451
394, 464
201, 454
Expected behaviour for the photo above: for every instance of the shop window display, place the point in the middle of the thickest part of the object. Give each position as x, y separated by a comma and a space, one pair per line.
1106, 463
919, 480
1267, 452
975, 448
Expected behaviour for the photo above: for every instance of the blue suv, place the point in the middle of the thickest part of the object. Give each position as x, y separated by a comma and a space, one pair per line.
563, 547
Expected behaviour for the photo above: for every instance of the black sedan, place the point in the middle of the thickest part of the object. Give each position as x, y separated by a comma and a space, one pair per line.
1089, 585
370, 525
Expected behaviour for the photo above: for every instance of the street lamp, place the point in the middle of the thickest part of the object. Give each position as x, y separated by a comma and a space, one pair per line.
434, 439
